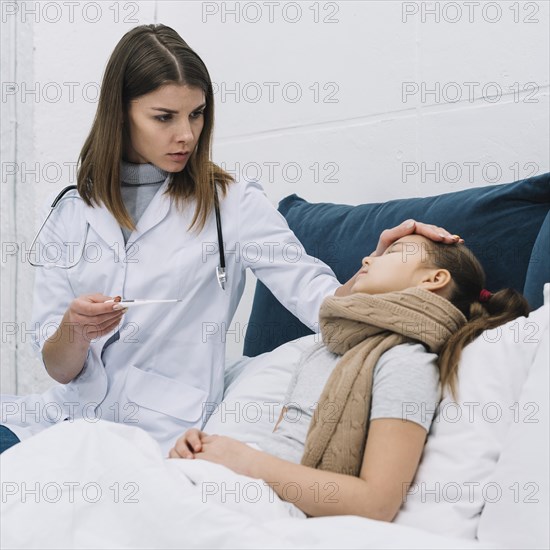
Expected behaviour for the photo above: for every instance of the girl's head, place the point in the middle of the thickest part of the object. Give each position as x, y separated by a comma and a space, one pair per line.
404, 264
156, 100
453, 272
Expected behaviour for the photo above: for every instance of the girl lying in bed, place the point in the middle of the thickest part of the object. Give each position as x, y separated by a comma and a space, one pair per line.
360, 403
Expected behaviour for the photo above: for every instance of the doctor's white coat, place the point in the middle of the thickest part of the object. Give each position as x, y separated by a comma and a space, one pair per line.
165, 371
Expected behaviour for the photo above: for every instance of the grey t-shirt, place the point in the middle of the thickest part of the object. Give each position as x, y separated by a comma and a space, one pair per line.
405, 385
139, 184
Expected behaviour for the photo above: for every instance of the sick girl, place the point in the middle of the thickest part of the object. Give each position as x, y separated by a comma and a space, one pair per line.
362, 401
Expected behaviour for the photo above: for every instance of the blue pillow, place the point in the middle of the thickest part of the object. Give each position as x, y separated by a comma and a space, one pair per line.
538, 272
499, 223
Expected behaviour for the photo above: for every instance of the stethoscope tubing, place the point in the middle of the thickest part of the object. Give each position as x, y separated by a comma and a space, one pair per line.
55, 202
220, 270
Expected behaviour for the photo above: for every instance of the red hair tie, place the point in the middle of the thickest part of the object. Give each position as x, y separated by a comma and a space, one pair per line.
484, 295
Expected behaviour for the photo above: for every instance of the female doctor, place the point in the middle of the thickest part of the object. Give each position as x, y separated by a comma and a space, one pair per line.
143, 217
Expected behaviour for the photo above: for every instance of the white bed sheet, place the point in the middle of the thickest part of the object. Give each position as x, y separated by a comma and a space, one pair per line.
105, 485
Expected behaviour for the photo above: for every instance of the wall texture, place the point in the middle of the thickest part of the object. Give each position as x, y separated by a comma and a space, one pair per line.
349, 102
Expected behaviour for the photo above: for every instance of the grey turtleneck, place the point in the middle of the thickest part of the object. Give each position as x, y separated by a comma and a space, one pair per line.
139, 184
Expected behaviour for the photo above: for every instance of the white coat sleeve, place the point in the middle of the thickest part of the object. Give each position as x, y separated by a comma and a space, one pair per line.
52, 292
275, 255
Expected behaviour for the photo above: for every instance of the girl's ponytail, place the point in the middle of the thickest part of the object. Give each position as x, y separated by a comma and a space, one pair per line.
488, 312
483, 310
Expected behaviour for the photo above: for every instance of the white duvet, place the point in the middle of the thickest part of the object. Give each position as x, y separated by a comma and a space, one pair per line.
104, 485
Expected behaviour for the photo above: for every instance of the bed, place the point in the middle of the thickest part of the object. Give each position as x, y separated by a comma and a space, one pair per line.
483, 480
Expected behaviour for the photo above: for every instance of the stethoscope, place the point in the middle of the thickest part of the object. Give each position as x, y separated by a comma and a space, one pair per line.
220, 269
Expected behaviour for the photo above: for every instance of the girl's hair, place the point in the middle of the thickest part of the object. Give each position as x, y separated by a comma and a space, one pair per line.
146, 58
468, 279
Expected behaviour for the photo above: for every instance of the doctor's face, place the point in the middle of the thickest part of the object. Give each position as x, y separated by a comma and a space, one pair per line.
163, 127
404, 264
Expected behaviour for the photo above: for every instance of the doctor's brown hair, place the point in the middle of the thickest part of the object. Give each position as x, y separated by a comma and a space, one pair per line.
468, 279
146, 58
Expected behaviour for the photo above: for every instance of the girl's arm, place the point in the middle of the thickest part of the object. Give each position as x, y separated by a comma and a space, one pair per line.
391, 458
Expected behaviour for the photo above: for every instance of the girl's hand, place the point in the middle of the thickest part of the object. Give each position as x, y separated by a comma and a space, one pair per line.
188, 444
237, 456
433, 232
227, 451
89, 317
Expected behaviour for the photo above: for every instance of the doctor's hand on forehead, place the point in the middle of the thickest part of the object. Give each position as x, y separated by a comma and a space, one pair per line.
408, 227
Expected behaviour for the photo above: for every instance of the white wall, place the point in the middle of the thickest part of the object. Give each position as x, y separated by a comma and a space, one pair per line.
351, 61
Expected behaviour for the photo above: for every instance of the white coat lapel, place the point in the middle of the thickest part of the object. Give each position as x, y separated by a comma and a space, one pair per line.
155, 212
104, 224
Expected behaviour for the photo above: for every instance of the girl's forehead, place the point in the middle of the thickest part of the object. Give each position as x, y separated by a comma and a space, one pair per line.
416, 239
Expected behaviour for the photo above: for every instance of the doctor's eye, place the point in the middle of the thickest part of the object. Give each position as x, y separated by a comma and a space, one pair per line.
163, 118
197, 114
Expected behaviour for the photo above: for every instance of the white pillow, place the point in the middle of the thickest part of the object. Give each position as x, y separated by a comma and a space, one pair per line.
254, 391
455, 475
520, 518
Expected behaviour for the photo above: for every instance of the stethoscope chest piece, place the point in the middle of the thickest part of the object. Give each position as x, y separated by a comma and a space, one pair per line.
221, 276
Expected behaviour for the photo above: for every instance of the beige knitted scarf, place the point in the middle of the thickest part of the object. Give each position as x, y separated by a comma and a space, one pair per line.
361, 327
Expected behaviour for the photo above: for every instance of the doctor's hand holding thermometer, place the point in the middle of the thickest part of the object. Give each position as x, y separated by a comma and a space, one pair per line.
147, 214
88, 317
